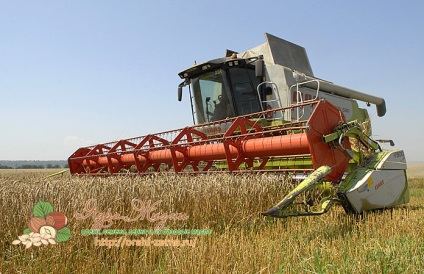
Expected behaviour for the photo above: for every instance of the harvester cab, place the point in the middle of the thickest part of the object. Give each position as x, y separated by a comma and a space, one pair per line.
263, 110
273, 75
223, 88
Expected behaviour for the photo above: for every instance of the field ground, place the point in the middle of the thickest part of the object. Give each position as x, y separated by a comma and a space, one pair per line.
415, 170
240, 239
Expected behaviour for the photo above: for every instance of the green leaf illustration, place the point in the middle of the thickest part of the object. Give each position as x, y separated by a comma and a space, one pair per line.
63, 235
41, 209
27, 231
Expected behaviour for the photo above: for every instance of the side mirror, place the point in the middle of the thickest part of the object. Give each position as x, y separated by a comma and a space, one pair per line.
259, 67
180, 93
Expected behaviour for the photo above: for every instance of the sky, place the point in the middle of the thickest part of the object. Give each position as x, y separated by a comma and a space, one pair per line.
77, 73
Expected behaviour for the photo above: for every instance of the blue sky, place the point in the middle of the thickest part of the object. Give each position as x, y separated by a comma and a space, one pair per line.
75, 73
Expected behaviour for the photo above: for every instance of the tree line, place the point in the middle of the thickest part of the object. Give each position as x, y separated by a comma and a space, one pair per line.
32, 164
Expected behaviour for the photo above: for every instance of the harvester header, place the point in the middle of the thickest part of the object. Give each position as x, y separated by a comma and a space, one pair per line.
262, 110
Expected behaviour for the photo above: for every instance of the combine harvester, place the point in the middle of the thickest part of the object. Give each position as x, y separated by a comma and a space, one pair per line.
262, 110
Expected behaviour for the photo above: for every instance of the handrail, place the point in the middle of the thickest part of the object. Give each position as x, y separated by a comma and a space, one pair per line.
277, 96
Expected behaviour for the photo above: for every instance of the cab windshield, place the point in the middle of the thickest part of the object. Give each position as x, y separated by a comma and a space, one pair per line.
221, 94
211, 99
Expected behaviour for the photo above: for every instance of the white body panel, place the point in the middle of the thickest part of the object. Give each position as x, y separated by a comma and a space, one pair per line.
378, 189
345, 105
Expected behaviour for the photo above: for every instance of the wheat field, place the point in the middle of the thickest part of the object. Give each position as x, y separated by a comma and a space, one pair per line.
224, 209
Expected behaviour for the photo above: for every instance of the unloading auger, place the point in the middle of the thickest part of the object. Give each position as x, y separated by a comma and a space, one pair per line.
262, 110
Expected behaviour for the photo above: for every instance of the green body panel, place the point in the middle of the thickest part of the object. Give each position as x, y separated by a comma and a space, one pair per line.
361, 116
376, 159
358, 173
303, 163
